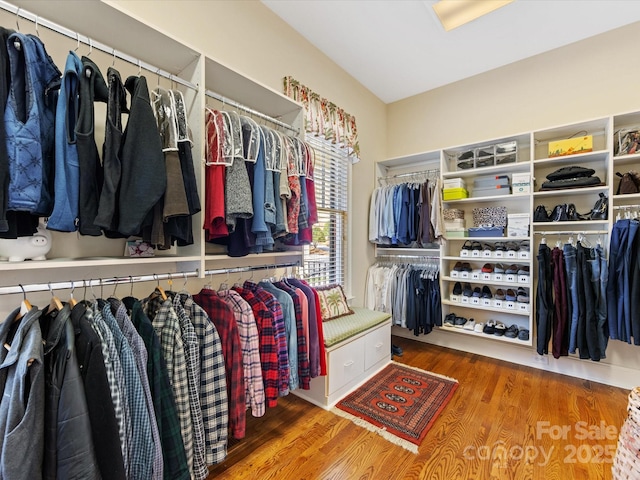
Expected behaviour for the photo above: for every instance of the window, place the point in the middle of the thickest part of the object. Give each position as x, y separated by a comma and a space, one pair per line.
325, 258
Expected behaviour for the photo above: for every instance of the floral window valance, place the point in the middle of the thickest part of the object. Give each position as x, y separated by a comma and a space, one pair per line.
323, 117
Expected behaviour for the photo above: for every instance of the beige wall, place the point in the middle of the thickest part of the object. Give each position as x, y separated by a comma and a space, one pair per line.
248, 37
592, 78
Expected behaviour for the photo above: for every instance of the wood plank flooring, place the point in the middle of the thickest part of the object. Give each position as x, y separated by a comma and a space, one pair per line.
504, 422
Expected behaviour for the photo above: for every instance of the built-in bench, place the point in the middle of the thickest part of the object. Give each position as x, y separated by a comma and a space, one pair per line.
358, 346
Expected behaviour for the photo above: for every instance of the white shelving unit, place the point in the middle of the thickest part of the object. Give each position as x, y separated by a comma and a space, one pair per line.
91, 22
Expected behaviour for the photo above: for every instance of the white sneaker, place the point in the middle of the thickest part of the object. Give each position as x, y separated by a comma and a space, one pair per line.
478, 327
470, 325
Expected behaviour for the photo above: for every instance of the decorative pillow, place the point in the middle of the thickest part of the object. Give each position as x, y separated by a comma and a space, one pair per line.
333, 302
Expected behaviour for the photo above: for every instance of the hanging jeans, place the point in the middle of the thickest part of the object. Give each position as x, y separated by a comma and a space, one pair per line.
572, 284
626, 292
615, 288
560, 344
599, 280
544, 302
588, 345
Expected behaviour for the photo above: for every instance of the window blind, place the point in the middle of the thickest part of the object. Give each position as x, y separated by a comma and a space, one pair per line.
325, 258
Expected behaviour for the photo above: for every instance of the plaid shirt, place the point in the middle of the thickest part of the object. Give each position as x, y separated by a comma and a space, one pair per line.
213, 383
272, 304
302, 334
142, 451
250, 344
314, 347
167, 326
225, 323
292, 331
192, 354
140, 355
268, 347
115, 376
174, 457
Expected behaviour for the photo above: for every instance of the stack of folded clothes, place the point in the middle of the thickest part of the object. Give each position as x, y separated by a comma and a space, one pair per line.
571, 177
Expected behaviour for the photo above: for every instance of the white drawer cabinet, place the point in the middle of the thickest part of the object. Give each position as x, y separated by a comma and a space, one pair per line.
349, 364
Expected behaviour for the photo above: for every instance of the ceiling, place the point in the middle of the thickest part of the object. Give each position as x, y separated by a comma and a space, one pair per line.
398, 49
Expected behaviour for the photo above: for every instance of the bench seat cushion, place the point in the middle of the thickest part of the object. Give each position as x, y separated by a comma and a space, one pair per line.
347, 326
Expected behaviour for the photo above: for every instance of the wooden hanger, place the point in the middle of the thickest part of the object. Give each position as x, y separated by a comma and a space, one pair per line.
72, 301
159, 289
25, 305
55, 303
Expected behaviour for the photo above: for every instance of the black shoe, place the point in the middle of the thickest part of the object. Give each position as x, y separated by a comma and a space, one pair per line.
395, 350
457, 288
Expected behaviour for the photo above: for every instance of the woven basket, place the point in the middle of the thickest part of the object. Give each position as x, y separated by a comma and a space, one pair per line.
626, 463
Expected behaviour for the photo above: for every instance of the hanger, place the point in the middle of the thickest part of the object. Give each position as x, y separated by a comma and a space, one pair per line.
224, 285
55, 303
72, 301
25, 305
159, 290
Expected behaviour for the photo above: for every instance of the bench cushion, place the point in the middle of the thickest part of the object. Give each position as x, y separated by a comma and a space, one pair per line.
347, 326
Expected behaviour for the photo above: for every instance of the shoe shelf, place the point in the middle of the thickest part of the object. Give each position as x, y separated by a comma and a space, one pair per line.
489, 259
446, 301
497, 283
485, 336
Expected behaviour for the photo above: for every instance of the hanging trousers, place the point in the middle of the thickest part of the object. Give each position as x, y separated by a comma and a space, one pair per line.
544, 303
560, 344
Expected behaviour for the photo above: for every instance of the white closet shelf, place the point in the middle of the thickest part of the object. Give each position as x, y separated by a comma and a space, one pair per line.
488, 260
407, 251
480, 307
577, 159
620, 198
518, 167
626, 159
489, 239
487, 282
570, 192
490, 198
577, 223
93, 262
483, 336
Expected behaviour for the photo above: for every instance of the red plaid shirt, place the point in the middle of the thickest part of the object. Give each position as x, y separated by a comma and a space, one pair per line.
268, 346
224, 320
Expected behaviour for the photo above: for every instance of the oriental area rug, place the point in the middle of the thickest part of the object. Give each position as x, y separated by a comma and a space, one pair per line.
400, 403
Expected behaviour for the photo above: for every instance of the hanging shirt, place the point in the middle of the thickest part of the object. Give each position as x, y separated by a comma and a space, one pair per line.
224, 320
167, 326
213, 382
250, 343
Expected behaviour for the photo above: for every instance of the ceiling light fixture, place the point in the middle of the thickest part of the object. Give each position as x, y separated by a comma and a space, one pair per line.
453, 13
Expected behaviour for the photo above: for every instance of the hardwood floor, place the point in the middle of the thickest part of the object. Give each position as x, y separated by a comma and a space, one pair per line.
504, 422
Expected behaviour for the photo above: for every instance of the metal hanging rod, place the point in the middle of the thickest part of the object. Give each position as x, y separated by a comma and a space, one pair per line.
430, 172
99, 282
572, 232
32, 17
251, 268
392, 256
251, 111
